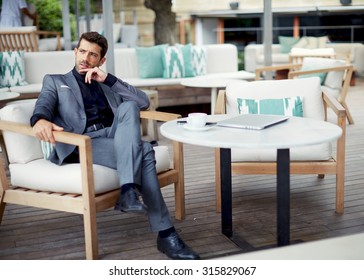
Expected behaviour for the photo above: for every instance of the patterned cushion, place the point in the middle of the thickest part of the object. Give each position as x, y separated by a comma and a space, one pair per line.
289, 106
12, 69
173, 62
187, 59
199, 60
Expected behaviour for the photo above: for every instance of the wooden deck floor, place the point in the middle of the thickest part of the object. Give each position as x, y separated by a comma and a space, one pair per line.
31, 233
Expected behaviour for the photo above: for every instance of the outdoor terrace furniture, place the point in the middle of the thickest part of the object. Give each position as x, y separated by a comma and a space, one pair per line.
221, 62
29, 39
317, 159
335, 76
81, 188
254, 55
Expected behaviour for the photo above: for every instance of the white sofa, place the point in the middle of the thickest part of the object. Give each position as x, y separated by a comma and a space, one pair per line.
254, 55
221, 62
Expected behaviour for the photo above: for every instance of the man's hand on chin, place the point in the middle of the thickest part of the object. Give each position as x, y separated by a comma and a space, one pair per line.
93, 74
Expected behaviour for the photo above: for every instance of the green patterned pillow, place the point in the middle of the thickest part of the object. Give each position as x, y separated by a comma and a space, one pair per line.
199, 60
173, 62
187, 59
289, 106
12, 69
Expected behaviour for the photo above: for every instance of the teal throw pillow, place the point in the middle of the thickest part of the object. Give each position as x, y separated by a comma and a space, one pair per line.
199, 60
150, 63
187, 59
287, 43
173, 62
288, 106
12, 69
321, 75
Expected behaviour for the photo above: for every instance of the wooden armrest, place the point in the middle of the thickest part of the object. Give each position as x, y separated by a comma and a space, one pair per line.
321, 70
85, 152
220, 102
158, 116
335, 105
60, 136
289, 67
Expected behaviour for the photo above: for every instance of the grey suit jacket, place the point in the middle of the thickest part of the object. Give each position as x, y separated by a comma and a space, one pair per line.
60, 101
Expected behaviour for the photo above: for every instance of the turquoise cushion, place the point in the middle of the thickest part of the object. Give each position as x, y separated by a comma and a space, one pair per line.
199, 60
322, 75
12, 69
173, 62
289, 106
150, 63
287, 43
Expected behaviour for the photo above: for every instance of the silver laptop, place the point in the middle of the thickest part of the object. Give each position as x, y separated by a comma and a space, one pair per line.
252, 121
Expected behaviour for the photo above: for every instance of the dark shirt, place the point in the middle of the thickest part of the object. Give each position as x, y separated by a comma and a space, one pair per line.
97, 108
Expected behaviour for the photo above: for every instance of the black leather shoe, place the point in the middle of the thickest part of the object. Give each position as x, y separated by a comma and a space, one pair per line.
129, 202
174, 247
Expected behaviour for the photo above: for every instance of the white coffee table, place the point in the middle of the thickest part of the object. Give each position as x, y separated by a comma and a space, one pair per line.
295, 132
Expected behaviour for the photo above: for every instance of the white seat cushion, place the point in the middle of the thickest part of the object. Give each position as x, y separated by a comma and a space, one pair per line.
308, 89
26, 159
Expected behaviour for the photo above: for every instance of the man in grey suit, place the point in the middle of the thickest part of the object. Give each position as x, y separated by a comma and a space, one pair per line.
89, 101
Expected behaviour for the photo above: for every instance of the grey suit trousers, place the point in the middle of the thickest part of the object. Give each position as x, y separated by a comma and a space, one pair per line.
120, 147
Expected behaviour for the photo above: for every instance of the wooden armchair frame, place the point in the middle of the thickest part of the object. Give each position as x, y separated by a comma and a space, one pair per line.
294, 71
87, 203
26, 40
332, 166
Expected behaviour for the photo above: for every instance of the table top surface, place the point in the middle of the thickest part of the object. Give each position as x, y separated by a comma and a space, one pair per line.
295, 132
6, 95
217, 80
206, 82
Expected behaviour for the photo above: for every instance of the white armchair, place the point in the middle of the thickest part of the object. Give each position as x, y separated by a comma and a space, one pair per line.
318, 159
83, 188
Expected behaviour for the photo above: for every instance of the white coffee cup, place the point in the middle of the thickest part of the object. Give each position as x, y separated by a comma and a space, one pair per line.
197, 120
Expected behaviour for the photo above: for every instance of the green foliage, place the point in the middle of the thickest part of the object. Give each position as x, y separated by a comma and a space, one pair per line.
50, 15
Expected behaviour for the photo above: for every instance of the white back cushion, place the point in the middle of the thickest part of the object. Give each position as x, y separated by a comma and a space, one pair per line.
38, 64
308, 88
20, 148
221, 58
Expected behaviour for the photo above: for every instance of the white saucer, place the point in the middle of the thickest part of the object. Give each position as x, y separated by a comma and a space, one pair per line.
204, 128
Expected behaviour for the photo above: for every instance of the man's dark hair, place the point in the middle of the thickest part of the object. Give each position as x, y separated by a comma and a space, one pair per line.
95, 37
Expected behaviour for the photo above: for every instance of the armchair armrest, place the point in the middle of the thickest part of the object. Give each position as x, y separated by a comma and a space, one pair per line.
335, 105
220, 107
85, 151
293, 74
158, 116
288, 67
